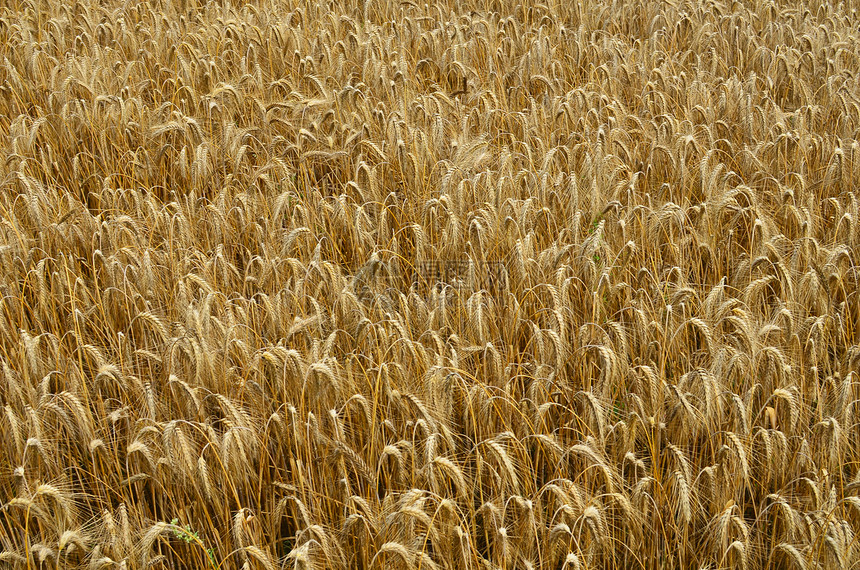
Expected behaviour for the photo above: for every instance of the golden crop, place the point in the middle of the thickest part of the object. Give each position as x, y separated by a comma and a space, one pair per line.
473, 284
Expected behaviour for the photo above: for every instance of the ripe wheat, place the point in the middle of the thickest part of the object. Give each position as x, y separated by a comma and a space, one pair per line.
473, 284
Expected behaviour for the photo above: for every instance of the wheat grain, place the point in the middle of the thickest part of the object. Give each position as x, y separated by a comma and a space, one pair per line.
642, 329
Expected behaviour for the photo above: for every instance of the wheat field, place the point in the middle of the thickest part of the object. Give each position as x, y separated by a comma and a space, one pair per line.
473, 284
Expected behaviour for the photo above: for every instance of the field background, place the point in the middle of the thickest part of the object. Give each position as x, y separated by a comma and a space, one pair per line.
251, 312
